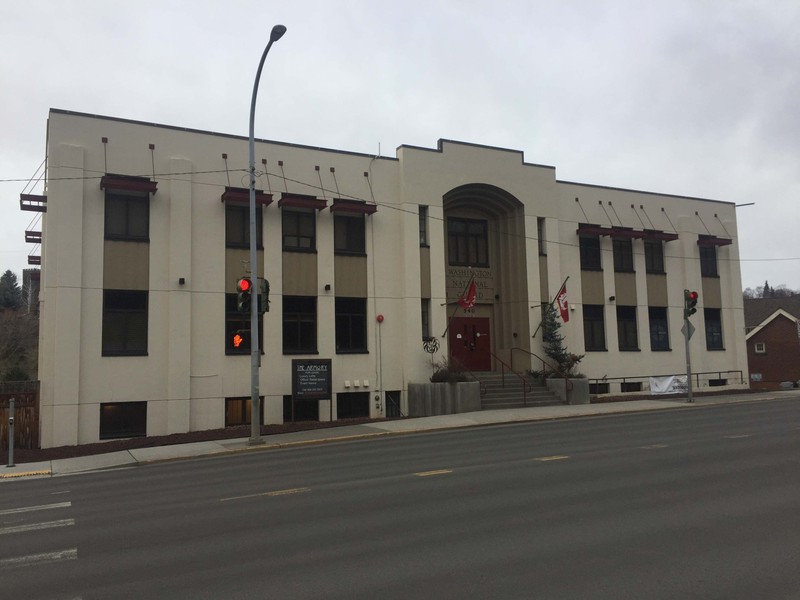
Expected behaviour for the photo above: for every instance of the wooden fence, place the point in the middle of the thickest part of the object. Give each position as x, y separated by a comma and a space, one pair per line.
26, 413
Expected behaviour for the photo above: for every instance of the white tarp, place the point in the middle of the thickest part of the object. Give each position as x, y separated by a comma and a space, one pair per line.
671, 384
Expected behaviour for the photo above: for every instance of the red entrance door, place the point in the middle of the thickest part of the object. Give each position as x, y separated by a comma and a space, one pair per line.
468, 339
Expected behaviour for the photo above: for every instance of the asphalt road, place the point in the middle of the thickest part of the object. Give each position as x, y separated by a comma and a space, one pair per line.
698, 503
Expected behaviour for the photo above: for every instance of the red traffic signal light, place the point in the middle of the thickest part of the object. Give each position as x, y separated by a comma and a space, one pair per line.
689, 303
244, 287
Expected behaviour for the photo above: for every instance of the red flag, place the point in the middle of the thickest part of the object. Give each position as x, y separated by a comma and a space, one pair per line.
561, 300
467, 301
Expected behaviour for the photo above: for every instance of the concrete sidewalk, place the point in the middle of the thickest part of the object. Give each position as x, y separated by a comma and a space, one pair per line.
352, 432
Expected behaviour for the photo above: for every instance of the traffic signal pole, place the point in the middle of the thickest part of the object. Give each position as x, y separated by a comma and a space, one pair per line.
686, 326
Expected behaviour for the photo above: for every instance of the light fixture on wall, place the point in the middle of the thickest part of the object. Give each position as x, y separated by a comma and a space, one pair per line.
327, 287
182, 281
612, 298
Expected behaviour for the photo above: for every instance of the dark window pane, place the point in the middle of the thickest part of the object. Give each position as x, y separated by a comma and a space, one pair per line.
237, 226
467, 242
594, 332
590, 253
352, 405
626, 328
123, 419
713, 321
349, 235
124, 322
659, 331
654, 256
127, 217
351, 325
623, 255
708, 261
299, 324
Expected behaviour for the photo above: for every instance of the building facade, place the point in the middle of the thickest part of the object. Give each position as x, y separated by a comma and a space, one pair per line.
145, 234
773, 341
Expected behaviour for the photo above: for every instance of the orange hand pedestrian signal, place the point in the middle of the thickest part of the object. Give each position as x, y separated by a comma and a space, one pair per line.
237, 340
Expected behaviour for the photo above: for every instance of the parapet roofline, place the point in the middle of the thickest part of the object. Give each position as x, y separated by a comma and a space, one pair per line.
619, 189
442, 141
245, 138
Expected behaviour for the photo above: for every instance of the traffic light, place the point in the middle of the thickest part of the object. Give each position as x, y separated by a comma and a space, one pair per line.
263, 296
244, 288
689, 303
239, 340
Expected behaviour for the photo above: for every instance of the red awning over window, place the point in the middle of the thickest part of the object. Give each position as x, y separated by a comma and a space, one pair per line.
353, 206
128, 183
626, 232
237, 195
301, 201
712, 240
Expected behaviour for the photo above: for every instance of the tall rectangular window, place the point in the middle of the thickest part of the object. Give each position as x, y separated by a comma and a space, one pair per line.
708, 261
351, 325
299, 229
467, 242
623, 255
594, 329
654, 256
124, 323
423, 225
127, 216
659, 330
349, 234
237, 226
713, 321
540, 233
590, 253
237, 411
299, 325
237, 328
627, 333
426, 318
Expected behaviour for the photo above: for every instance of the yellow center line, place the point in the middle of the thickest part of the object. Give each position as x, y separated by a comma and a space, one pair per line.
549, 458
269, 494
431, 473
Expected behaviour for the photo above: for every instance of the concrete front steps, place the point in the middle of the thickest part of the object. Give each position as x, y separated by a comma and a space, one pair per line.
511, 395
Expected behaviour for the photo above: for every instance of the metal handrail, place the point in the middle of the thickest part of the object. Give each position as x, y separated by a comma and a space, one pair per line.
526, 385
567, 383
469, 374
695, 376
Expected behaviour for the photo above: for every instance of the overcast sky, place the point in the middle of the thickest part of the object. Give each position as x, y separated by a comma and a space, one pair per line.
689, 97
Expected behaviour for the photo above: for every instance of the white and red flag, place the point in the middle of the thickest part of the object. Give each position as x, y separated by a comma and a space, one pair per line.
467, 301
561, 300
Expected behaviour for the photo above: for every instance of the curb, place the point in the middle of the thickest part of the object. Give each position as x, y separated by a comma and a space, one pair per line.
25, 474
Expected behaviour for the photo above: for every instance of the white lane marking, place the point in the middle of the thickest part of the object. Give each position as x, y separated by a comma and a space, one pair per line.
739, 436
14, 511
39, 559
433, 473
549, 458
57, 493
37, 526
272, 494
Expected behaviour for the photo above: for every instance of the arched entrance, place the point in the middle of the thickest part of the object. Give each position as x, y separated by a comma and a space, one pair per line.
486, 244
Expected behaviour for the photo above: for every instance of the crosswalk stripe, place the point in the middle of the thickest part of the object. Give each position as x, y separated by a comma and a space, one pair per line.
14, 511
39, 559
37, 526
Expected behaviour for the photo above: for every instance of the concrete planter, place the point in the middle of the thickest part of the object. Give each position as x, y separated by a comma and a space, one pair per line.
578, 394
430, 399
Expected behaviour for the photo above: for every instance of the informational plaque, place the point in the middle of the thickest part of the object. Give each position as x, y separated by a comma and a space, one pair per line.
311, 379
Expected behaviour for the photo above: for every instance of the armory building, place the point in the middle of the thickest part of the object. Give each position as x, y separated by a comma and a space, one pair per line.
145, 234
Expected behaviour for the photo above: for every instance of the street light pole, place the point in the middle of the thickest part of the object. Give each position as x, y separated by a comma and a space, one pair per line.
255, 356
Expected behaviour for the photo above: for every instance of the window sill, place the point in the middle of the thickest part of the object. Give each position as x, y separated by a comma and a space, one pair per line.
239, 246
352, 351
656, 272
113, 354
630, 349
596, 349
595, 269
123, 238
299, 352
349, 253
624, 271
715, 349
299, 250
660, 349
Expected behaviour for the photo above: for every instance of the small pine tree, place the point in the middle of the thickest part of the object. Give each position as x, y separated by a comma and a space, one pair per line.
554, 342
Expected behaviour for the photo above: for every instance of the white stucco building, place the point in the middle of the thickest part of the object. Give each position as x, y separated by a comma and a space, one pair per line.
145, 235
